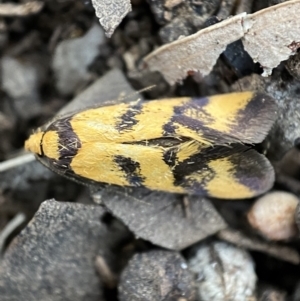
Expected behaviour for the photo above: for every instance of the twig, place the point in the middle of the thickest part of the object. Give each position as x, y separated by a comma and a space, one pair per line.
12, 163
20, 10
10, 227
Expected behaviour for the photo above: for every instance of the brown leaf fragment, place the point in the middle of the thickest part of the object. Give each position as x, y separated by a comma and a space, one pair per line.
111, 13
20, 10
270, 36
197, 52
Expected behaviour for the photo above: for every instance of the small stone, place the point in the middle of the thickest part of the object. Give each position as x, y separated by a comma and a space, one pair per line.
111, 13
224, 272
157, 275
273, 215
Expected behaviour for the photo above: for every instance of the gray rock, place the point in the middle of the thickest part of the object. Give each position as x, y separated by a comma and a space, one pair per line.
224, 272
53, 257
162, 218
157, 275
72, 58
20, 80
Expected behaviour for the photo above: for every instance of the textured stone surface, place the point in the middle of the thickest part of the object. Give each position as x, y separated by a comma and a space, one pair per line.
53, 257
157, 275
165, 219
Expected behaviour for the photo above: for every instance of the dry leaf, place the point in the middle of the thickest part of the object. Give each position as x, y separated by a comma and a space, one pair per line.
111, 13
272, 34
282, 252
269, 36
197, 52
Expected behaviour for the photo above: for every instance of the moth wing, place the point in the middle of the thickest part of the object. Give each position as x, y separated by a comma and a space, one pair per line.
244, 117
227, 173
219, 171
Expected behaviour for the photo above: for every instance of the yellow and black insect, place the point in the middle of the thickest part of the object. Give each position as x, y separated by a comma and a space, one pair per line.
180, 145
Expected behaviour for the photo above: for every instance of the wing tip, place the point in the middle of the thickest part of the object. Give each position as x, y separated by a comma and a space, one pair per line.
263, 113
257, 174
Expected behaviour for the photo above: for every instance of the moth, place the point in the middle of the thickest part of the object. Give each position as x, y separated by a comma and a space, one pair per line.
180, 145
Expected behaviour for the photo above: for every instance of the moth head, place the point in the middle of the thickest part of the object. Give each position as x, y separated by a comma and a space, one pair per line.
44, 144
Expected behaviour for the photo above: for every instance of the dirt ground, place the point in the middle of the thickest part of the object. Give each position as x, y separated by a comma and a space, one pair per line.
61, 240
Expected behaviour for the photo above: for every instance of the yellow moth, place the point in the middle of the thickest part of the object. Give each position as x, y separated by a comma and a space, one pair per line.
179, 145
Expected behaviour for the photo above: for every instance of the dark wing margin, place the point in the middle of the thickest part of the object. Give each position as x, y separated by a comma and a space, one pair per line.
225, 172
244, 117
256, 119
